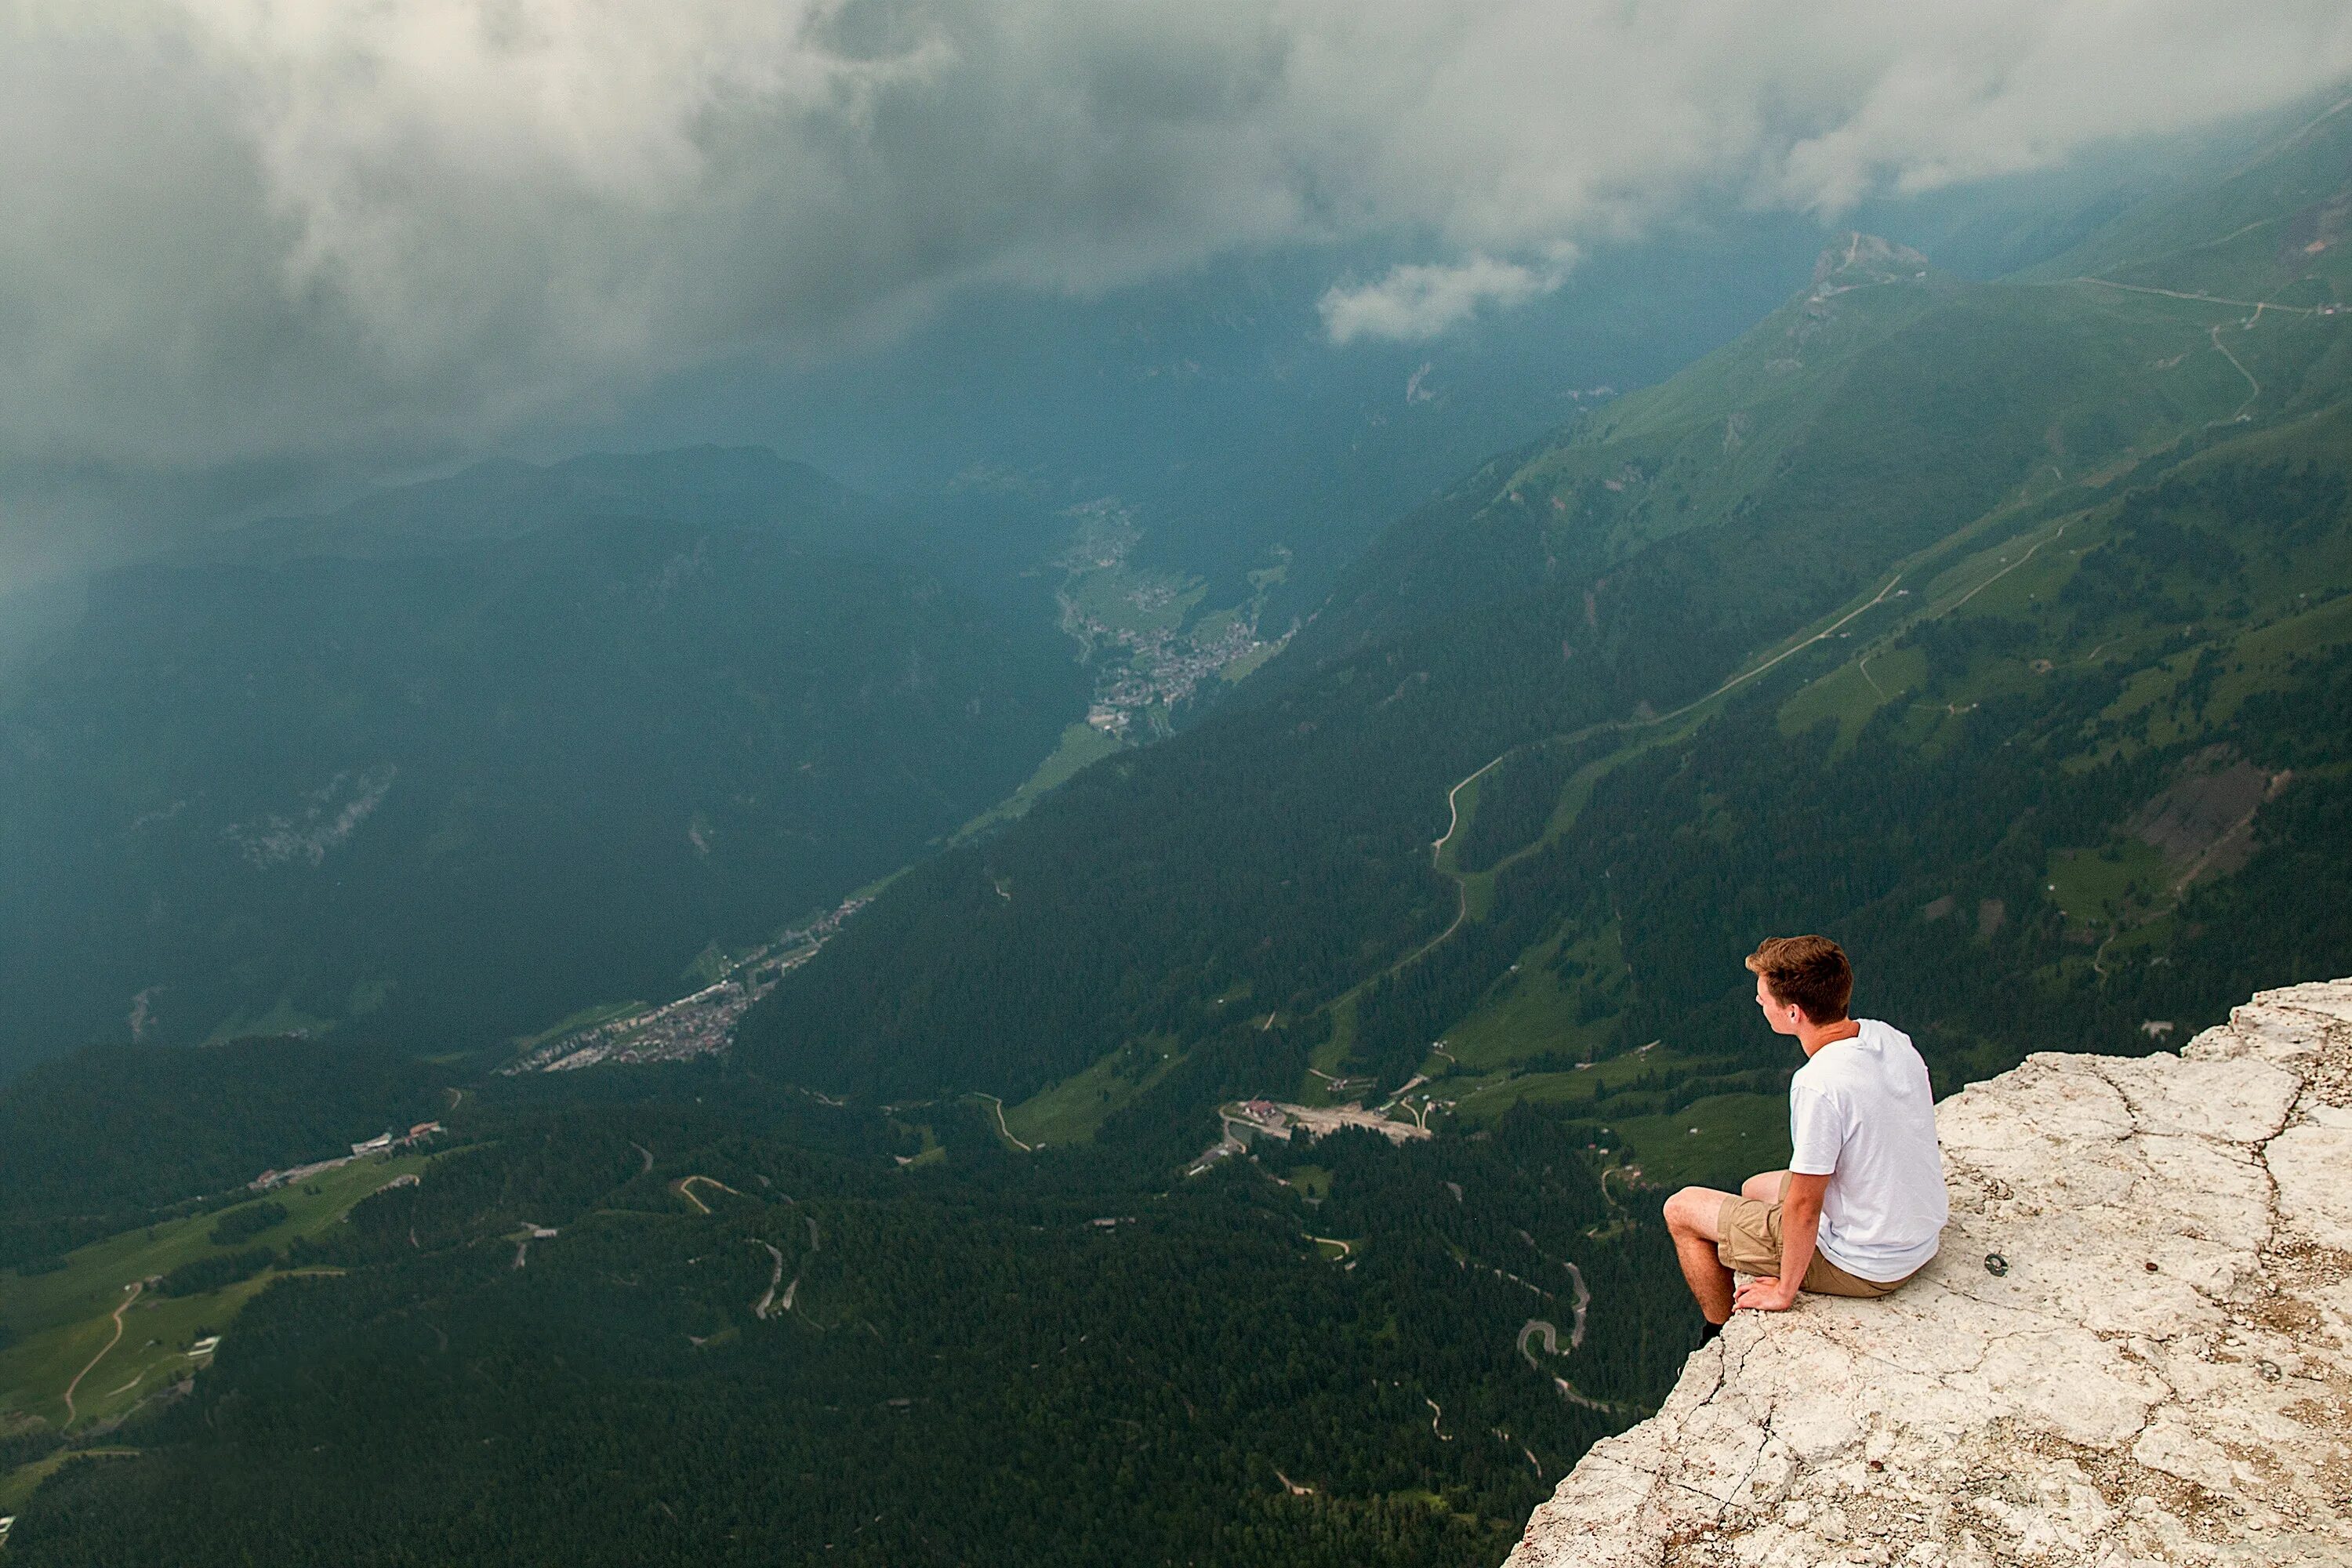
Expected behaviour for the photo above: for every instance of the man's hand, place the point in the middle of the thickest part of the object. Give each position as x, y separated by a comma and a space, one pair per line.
1764, 1295
1801, 1224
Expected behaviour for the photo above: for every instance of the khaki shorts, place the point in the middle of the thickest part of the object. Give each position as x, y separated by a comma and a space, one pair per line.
1751, 1245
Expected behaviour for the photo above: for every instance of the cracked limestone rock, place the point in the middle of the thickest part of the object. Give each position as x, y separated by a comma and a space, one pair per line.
2163, 1374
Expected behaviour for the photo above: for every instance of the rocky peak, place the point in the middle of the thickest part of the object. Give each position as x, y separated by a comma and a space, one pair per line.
1856, 258
2135, 1348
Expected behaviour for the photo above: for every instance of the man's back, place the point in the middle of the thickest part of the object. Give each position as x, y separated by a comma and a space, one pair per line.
1861, 1112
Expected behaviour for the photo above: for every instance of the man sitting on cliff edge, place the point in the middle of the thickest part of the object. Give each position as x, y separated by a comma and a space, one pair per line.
1861, 1205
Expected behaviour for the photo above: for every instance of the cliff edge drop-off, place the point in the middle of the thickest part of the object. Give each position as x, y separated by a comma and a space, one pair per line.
2135, 1348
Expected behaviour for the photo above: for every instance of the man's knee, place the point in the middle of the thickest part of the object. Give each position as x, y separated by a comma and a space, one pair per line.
1692, 1211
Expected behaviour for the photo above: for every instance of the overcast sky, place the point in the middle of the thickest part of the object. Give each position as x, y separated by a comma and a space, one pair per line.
252, 230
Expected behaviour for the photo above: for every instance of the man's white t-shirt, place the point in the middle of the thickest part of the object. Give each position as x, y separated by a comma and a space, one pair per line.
1861, 1113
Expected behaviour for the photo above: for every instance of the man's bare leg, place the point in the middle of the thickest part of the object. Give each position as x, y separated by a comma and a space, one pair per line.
1691, 1216
1764, 1188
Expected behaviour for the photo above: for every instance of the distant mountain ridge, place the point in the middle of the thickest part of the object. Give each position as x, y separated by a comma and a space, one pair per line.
504, 499
2275, 227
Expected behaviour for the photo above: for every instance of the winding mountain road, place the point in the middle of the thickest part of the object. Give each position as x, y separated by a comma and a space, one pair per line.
683, 1187
1581, 1307
817, 1244
2195, 299
135, 1288
1453, 813
767, 1301
1004, 1127
2214, 333
1538, 1327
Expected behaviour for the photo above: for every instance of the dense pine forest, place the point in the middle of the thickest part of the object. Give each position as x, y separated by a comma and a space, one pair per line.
975, 1358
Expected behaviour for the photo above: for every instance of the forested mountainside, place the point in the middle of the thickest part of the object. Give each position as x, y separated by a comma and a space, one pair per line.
468, 757
670, 1315
1959, 619
506, 499
94, 1141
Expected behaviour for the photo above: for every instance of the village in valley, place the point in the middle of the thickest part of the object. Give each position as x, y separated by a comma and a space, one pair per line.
1164, 668
695, 1024
1138, 627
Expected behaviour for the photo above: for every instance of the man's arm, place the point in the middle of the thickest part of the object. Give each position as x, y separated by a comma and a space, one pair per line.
1801, 1221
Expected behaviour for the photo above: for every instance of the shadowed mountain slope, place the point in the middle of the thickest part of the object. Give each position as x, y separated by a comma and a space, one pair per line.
459, 761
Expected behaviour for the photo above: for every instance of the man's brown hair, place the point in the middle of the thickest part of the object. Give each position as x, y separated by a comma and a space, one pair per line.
1810, 970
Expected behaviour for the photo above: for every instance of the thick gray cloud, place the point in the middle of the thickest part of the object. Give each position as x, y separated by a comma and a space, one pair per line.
255, 230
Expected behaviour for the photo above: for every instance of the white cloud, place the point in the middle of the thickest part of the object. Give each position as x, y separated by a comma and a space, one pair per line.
1414, 303
258, 231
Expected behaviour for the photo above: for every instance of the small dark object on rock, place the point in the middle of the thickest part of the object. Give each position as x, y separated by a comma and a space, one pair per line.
1996, 1265
2151, 1269
2270, 1369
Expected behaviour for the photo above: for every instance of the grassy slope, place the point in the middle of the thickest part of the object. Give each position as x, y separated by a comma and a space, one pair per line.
1081, 746
2291, 607
1071, 1111
2251, 235
63, 1319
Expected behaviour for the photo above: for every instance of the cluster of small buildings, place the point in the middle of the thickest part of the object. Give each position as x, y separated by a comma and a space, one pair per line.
1321, 1121
271, 1181
1250, 1120
695, 1024
690, 1026
1164, 667
1266, 1117
383, 1143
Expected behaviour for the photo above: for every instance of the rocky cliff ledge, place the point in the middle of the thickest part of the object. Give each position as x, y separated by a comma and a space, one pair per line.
2135, 1348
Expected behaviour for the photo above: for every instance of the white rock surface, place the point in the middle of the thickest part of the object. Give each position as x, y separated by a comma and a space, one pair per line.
2163, 1375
